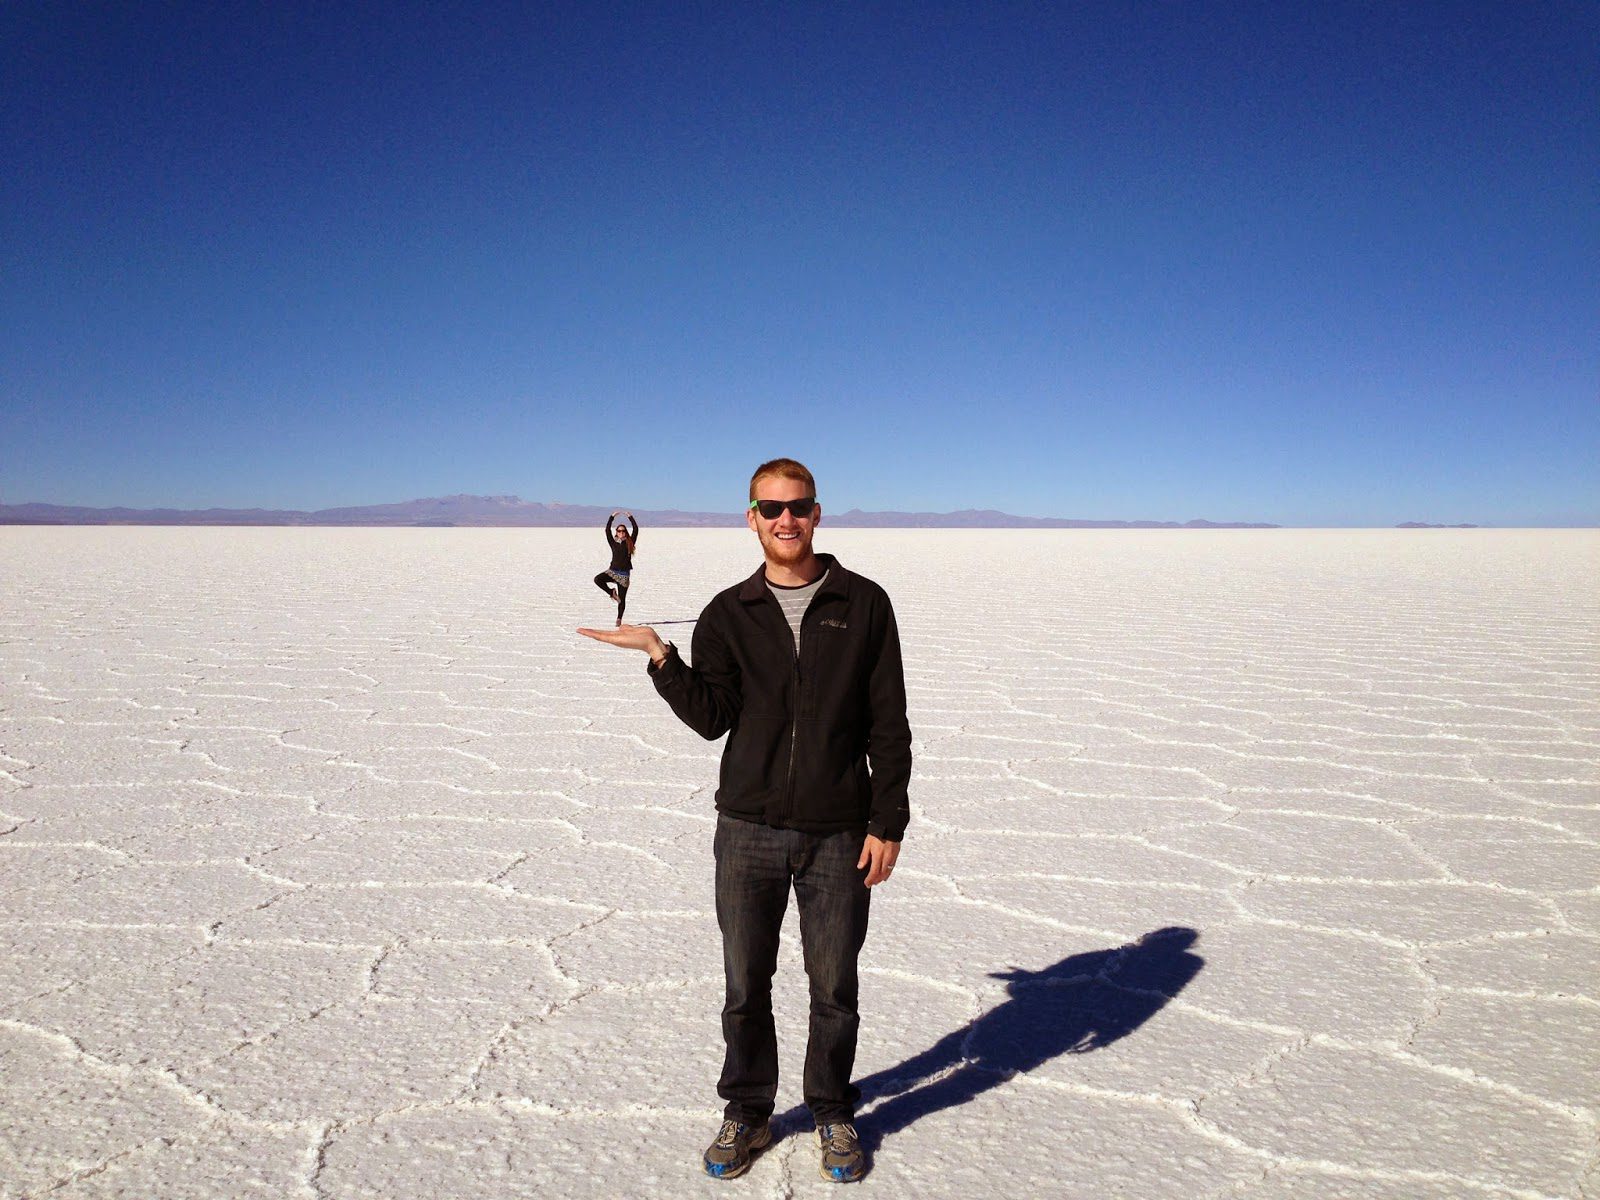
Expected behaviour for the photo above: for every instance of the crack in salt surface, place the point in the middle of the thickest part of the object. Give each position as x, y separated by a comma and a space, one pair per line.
89, 1171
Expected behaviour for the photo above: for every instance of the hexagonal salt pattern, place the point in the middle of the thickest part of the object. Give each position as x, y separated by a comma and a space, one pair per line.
1244, 866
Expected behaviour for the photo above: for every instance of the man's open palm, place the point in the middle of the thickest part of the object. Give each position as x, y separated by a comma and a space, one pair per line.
629, 637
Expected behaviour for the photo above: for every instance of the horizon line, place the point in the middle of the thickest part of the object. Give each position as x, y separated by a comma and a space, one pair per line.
464, 509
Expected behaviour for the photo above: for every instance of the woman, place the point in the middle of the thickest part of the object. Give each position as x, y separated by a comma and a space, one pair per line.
614, 581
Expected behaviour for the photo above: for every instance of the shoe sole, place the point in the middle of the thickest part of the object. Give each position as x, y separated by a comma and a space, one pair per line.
758, 1142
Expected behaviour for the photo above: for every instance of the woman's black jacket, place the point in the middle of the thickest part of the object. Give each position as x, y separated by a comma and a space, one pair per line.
621, 552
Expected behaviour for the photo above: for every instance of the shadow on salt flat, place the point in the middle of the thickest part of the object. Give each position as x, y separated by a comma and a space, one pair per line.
1082, 1003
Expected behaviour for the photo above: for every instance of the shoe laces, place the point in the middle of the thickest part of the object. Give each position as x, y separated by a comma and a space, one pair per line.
729, 1133
840, 1137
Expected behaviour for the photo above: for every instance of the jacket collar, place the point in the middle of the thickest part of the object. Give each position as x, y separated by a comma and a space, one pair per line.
835, 582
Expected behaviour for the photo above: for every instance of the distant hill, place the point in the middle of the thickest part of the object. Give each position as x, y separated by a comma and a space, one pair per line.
1425, 525
513, 511
988, 518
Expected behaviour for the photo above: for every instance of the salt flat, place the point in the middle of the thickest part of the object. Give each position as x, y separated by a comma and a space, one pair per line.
1243, 864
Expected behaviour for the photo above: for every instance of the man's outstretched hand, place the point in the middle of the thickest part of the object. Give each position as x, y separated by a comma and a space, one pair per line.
880, 856
631, 637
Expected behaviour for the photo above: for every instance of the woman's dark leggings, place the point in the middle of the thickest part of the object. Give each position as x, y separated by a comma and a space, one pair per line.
606, 584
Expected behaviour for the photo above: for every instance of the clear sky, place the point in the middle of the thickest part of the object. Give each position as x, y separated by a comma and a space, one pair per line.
1328, 263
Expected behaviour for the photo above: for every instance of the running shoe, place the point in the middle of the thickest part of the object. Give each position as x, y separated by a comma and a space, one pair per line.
842, 1160
729, 1155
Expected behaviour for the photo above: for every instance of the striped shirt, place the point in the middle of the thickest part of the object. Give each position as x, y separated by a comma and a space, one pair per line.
794, 601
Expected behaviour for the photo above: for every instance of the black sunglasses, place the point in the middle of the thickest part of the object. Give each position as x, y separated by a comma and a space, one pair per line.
773, 509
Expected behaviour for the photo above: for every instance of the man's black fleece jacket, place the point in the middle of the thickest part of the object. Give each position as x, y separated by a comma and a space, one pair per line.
802, 729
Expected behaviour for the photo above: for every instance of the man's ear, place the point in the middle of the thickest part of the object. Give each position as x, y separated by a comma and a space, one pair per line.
750, 519
816, 515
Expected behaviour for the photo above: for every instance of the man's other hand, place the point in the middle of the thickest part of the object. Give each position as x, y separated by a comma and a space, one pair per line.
879, 855
631, 637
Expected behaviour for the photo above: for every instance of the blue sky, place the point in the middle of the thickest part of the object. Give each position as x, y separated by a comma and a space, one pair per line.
1310, 264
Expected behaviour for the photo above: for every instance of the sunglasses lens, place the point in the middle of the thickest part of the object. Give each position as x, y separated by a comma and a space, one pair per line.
773, 509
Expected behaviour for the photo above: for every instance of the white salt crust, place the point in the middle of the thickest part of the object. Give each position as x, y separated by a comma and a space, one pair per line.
336, 864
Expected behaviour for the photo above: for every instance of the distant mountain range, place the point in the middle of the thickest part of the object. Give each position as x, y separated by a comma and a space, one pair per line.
513, 511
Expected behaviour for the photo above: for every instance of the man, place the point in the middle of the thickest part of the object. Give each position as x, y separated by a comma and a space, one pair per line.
800, 666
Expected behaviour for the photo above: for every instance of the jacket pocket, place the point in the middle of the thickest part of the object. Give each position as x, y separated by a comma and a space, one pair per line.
754, 765
832, 784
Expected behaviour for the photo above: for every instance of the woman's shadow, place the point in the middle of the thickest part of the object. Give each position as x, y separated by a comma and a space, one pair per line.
1079, 1004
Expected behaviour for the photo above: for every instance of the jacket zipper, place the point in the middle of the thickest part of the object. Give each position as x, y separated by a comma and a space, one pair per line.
794, 714
794, 737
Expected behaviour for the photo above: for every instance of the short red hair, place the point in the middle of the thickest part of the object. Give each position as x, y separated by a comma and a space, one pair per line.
784, 468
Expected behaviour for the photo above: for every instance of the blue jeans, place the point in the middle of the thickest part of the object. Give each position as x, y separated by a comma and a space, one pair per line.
755, 866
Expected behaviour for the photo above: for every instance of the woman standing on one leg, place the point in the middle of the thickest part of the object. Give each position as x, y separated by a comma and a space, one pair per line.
614, 580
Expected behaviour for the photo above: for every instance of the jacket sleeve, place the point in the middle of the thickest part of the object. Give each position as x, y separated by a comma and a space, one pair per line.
889, 739
706, 696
